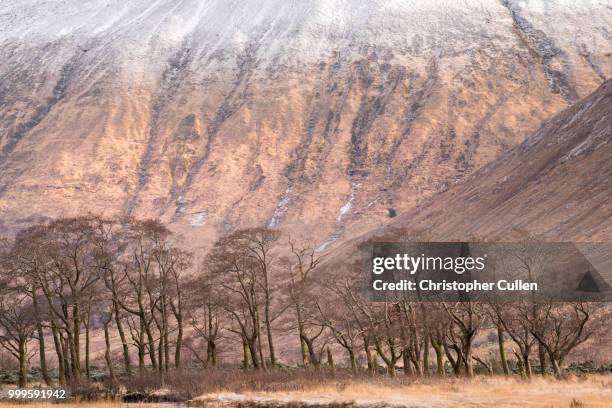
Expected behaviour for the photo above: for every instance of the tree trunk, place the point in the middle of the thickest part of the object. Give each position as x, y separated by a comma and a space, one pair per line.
469, 366
467, 358
141, 359
41, 342
68, 356
258, 345
439, 358
253, 352
526, 352
542, 357
215, 360
76, 340
502, 350
87, 368
270, 339
304, 350
330, 360
455, 362
160, 354
417, 365
352, 360
60, 355
301, 334
391, 369
245, 355
407, 367
520, 365
23, 363
166, 350
389, 362
179, 341
268, 323
126, 352
426, 356
312, 355
41, 353
166, 340
74, 365
141, 348
160, 358
555, 365
107, 355
211, 353
150, 341
527, 365
369, 357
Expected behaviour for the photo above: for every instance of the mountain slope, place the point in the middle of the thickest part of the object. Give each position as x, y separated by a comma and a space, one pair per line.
322, 117
555, 186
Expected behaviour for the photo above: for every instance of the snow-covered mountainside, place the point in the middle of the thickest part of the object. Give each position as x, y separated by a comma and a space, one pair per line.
323, 117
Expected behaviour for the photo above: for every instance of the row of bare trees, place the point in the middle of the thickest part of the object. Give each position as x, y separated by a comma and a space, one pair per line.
74, 280
67, 280
323, 308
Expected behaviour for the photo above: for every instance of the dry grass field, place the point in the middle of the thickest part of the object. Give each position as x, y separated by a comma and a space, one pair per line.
575, 392
98, 404
593, 391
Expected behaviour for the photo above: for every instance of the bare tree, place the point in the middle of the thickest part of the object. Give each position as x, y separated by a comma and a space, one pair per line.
438, 328
141, 290
106, 321
108, 240
511, 318
180, 262
302, 291
26, 264
68, 281
205, 317
259, 243
561, 327
239, 275
468, 318
17, 326
341, 319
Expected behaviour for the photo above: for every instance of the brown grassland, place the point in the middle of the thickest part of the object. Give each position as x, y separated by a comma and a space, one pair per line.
592, 391
585, 391
97, 404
